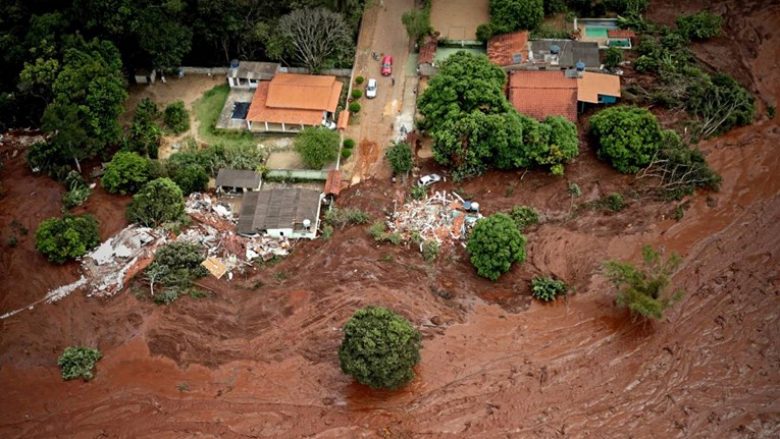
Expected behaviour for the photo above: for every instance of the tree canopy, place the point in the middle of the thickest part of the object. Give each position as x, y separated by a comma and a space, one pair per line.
380, 348
400, 157
157, 202
317, 146
511, 15
66, 238
126, 173
494, 245
627, 136
314, 37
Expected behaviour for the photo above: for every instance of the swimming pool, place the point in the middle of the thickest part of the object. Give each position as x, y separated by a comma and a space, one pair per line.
596, 32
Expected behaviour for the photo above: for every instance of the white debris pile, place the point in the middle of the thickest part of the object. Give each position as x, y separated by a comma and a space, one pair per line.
267, 248
119, 258
442, 217
207, 210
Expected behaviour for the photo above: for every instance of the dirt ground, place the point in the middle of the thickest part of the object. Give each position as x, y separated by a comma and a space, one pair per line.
258, 358
459, 19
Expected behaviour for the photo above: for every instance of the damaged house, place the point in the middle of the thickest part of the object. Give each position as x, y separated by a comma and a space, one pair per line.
282, 213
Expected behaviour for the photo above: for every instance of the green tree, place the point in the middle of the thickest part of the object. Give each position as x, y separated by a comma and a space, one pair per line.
613, 57
400, 157
69, 237
78, 362
126, 173
494, 245
702, 25
315, 36
380, 348
644, 291
417, 23
317, 146
157, 202
176, 117
161, 34
561, 145
511, 15
145, 134
627, 136
176, 266
190, 178
720, 103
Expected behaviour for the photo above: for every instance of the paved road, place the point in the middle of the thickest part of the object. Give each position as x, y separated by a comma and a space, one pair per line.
382, 33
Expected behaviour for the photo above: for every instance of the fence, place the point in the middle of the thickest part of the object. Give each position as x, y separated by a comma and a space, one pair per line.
334, 72
205, 70
296, 174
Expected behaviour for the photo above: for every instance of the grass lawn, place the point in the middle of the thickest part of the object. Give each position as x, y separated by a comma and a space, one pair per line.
207, 110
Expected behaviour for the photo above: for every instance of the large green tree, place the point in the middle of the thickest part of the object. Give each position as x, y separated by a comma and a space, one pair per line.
511, 15
494, 245
317, 146
126, 173
627, 136
157, 202
380, 348
66, 238
145, 133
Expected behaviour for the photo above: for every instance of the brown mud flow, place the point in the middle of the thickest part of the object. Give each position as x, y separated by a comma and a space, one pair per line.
258, 358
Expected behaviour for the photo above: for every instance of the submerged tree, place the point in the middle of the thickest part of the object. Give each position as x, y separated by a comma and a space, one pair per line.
644, 291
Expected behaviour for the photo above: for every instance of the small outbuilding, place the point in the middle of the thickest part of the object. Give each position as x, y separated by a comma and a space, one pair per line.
282, 213
247, 74
238, 180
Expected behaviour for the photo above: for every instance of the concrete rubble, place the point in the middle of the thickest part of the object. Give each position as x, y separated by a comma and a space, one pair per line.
442, 217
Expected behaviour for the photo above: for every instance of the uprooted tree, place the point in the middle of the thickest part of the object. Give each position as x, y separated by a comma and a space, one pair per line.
175, 267
380, 348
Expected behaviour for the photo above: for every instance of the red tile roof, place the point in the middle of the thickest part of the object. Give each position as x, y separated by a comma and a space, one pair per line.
343, 120
502, 48
333, 183
259, 111
304, 92
427, 50
540, 94
621, 33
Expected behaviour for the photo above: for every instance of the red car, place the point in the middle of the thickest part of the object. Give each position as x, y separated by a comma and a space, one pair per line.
387, 65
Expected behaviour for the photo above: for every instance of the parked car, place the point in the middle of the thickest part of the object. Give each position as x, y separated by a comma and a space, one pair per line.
329, 124
371, 88
387, 65
427, 180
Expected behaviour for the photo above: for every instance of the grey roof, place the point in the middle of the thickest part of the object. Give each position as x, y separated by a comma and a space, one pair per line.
277, 209
255, 70
238, 178
571, 52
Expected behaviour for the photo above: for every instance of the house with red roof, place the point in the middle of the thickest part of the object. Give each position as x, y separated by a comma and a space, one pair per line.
543, 93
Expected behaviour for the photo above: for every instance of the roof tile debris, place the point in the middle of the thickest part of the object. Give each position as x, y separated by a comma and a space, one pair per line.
333, 182
543, 93
508, 49
427, 50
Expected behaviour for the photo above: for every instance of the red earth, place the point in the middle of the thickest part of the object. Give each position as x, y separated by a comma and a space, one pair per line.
258, 357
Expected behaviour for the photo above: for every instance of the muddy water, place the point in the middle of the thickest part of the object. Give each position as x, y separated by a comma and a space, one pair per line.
258, 358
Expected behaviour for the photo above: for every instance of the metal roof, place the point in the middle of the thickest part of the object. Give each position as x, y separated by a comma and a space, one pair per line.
238, 178
277, 209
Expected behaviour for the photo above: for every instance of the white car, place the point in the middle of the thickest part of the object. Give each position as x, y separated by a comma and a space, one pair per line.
371, 89
329, 124
427, 180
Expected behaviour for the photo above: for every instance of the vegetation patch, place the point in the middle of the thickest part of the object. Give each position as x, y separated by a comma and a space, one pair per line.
207, 110
494, 245
547, 288
524, 216
66, 238
126, 173
400, 157
176, 117
175, 267
159, 201
78, 362
336, 217
317, 146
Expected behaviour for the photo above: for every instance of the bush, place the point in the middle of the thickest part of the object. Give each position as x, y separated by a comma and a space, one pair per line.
511, 15
614, 202
430, 250
494, 245
215, 157
380, 348
145, 134
176, 117
354, 107
157, 202
627, 136
175, 266
485, 32
417, 23
613, 57
341, 217
524, 216
69, 237
378, 231
126, 173
644, 290
547, 289
357, 93
359, 80
699, 26
78, 362
418, 192
190, 178
78, 191
400, 157
346, 153
349, 143
317, 146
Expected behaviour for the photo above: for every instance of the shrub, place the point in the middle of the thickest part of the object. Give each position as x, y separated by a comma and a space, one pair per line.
69, 237
524, 216
126, 173
341, 217
78, 191
346, 153
214, 157
78, 362
494, 245
317, 146
378, 231
613, 57
417, 23
627, 136
380, 348
485, 32
349, 143
176, 117
699, 26
145, 134
547, 289
614, 202
418, 192
430, 250
359, 80
357, 93
400, 157
157, 202
190, 178
644, 290
354, 107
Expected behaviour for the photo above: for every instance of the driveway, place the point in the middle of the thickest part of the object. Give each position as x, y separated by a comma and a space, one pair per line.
382, 32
